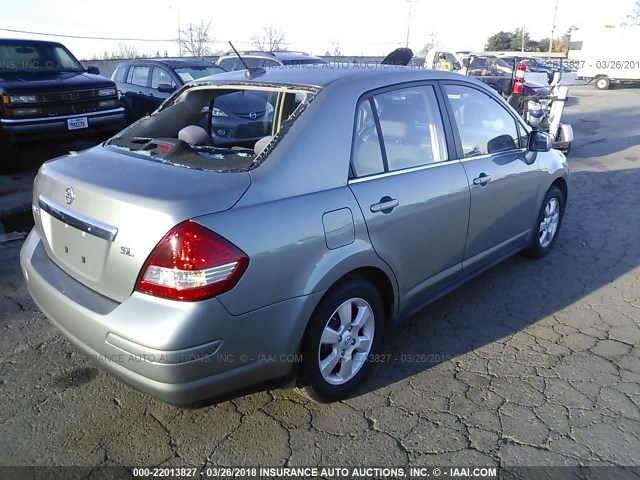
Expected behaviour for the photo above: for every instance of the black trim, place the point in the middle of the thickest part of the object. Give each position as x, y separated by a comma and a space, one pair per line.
376, 121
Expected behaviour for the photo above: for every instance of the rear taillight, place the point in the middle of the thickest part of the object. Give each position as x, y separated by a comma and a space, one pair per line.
192, 263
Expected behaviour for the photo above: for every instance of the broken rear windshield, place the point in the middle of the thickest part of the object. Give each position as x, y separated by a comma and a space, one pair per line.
215, 128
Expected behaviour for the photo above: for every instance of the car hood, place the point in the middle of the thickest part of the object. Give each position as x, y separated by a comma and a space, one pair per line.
35, 82
100, 213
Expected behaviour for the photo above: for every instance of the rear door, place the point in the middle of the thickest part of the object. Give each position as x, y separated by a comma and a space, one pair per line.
503, 180
138, 99
414, 195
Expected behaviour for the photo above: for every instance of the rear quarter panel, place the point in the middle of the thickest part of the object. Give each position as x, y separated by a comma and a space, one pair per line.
288, 251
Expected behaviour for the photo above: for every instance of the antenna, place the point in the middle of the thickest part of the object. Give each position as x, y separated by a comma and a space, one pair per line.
250, 73
239, 56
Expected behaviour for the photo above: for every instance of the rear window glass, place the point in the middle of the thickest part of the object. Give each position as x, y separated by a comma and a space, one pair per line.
227, 63
120, 74
139, 76
217, 129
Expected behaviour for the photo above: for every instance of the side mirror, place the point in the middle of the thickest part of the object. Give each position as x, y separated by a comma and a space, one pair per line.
93, 70
503, 143
540, 141
457, 66
166, 88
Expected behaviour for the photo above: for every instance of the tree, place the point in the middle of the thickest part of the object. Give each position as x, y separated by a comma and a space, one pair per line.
560, 45
516, 41
195, 38
271, 40
501, 41
125, 51
431, 43
634, 15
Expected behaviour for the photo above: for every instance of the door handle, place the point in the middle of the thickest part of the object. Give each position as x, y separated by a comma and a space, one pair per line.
482, 180
386, 205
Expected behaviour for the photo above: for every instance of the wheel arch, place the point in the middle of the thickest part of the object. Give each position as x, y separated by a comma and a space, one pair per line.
561, 183
380, 280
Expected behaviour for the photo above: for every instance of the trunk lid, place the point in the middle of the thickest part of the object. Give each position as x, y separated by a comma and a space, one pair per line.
101, 212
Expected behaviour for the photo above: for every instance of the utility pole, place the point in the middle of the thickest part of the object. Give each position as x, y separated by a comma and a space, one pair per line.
410, 2
179, 37
553, 28
522, 48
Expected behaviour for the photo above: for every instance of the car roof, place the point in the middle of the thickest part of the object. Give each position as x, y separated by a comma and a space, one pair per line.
14, 41
170, 62
322, 75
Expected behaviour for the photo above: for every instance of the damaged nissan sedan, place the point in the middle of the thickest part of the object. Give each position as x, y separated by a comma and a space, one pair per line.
193, 266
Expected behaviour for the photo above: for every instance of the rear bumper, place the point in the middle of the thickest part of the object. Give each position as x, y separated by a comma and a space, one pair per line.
180, 352
31, 129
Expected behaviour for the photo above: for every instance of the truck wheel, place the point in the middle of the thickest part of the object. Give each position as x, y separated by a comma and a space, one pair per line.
603, 83
9, 157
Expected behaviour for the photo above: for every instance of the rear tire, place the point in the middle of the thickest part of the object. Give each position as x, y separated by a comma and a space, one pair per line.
345, 329
603, 83
547, 227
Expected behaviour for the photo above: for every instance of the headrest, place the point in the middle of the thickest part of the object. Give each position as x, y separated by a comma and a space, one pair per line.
393, 129
261, 144
194, 135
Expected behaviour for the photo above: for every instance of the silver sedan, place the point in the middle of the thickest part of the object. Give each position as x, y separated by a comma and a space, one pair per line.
194, 270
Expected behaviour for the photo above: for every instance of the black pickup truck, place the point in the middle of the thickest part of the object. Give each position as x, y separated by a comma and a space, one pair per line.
47, 95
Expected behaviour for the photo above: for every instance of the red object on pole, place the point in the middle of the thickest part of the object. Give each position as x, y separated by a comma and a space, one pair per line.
518, 83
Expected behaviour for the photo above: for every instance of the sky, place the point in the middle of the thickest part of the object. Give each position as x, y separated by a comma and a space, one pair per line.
356, 27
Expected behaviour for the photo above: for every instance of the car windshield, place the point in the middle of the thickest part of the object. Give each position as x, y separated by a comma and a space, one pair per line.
21, 56
214, 128
483, 65
192, 73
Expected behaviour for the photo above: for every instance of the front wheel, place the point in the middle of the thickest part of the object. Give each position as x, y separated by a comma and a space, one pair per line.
344, 330
547, 227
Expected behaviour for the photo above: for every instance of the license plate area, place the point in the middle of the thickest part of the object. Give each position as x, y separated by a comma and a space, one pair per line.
78, 253
77, 123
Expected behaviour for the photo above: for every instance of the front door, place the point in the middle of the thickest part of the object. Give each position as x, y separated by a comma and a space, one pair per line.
503, 180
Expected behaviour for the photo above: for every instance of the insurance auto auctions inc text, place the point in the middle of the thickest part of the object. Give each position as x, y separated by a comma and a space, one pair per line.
379, 472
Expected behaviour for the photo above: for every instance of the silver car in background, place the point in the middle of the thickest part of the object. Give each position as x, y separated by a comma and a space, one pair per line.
192, 270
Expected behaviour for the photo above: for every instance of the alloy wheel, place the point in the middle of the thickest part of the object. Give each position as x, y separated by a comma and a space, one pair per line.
549, 223
346, 341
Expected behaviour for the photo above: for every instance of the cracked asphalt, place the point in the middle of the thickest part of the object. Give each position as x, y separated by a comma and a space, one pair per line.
532, 363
